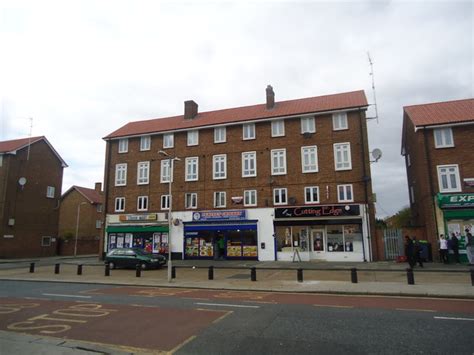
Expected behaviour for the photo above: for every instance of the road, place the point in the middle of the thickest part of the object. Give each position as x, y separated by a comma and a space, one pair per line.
196, 321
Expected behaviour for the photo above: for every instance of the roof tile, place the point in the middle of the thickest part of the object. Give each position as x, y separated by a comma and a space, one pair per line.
441, 112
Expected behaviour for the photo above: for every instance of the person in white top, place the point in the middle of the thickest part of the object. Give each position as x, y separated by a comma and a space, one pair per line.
443, 249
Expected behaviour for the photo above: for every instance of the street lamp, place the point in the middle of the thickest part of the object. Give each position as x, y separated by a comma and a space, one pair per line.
77, 226
170, 199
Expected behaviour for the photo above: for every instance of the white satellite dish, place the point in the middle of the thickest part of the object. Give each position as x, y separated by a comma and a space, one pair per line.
376, 154
22, 181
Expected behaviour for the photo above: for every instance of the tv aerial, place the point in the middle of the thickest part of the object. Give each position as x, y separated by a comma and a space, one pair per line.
376, 117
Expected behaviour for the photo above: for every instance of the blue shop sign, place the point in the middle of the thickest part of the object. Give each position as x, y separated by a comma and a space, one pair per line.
227, 215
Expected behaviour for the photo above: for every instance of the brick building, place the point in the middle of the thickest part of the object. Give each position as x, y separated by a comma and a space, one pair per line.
81, 214
31, 174
438, 148
268, 180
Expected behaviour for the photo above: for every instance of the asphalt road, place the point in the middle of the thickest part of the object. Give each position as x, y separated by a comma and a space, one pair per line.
192, 321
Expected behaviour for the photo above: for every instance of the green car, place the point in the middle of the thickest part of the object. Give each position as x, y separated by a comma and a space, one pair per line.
130, 257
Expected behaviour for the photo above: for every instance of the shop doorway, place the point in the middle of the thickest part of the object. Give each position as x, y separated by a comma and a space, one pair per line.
317, 244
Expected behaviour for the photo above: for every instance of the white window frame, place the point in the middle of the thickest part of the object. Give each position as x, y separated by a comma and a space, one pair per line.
311, 189
123, 145
165, 171
220, 135
278, 128
143, 173
457, 177
308, 125
121, 174
344, 164
142, 203
99, 207
250, 197
191, 162
339, 121
193, 138
219, 166
219, 197
168, 140
309, 151
50, 191
443, 137
276, 168
249, 158
98, 224
165, 202
119, 204
278, 192
145, 143
46, 241
192, 197
344, 189
248, 131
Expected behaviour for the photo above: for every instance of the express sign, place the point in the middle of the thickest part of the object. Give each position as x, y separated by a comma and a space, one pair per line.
456, 201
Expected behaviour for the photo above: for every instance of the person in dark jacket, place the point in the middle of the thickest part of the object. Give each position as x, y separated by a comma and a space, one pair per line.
410, 251
417, 252
455, 247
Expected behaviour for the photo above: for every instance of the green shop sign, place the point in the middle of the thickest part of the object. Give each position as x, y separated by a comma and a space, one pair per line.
456, 201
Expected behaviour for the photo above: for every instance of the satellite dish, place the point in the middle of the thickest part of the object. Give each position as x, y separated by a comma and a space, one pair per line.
22, 181
376, 154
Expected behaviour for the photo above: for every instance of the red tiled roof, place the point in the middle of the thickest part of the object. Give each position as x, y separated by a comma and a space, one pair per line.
347, 100
441, 112
93, 196
15, 144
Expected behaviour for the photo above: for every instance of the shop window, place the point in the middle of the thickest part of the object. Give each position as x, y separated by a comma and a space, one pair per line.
168, 140
342, 156
120, 204
193, 137
123, 145
46, 241
290, 238
278, 162
344, 193
200, 246
308, 125
242, 244
309, 159
219, 199
219, 135
165, 202
250, 198
443, 137
347, 238
145, 143
249, 164
448, 178
280, 196
121, 174
190, 200
278, 128
192, 169
248, 131
142, 203
311, 194
339, 121
143, 172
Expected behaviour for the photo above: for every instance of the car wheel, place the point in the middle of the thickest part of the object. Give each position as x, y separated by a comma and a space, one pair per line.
111, 265
143, 266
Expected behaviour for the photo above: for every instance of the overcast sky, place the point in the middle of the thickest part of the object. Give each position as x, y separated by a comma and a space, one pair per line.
82, 69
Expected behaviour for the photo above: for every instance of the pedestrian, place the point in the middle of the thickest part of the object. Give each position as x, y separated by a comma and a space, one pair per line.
455, 247
443, 249
221, 247
417, 251
470, 247
409, 251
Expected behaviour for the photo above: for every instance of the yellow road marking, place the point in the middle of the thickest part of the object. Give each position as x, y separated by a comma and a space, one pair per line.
175, 349
222, 317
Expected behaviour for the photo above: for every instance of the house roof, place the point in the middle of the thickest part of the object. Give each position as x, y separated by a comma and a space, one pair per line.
348, 100
93, 196
12, 146
436, 113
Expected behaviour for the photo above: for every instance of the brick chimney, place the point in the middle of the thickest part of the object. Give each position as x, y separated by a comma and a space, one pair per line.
190, 109
270, 97
98, 186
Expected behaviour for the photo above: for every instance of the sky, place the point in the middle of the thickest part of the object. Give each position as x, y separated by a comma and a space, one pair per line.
82, 69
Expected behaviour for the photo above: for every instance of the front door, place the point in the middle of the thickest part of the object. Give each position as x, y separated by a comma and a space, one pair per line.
317, 246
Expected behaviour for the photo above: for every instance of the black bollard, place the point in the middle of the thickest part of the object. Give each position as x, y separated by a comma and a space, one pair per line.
354, 275
107, 269
79, 269
173, 272
56, 268
300, 275
138, 272
210, 274
472, 276
410, 277
32, 267
253, 274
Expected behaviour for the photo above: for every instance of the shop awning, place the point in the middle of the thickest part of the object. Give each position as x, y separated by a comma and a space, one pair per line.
459, 214
135, 229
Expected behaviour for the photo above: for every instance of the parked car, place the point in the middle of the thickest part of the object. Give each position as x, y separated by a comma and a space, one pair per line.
130, 257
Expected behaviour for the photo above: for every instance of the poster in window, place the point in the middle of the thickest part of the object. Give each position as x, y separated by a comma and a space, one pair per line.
128, 240
156, 242
119, 241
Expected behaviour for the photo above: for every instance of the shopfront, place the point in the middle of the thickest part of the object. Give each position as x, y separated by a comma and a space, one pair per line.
332, 233
144, 231
223, 235
457, 212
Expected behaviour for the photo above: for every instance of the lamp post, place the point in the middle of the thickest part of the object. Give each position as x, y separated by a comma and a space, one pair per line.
170, 199
77, 226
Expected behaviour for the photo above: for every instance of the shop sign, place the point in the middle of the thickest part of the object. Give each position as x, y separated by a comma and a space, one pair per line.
227, 215
318, 211
469, 182
138, 217
456, 201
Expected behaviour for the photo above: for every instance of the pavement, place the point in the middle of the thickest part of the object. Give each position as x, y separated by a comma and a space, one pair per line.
374, 278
